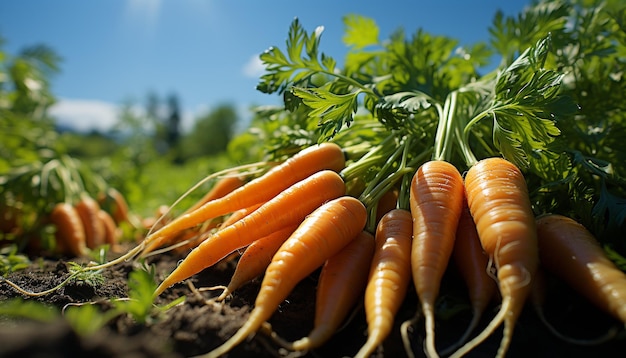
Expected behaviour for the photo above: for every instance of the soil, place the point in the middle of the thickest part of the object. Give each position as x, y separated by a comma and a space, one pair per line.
197, 326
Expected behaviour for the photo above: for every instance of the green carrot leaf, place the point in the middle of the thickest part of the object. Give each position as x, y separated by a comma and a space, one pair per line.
360, 31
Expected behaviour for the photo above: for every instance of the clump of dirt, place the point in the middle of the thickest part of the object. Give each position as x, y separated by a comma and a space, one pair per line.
198, 324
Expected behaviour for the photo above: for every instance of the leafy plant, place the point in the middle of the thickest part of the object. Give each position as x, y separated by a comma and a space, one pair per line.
141, 284
552, 105
11, 260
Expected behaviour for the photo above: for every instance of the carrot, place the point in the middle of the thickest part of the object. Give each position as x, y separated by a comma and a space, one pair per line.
287, 208
341, 283
389, 277
88, 208
255, 259
326, 156
215, 224
69, 234
240, 214
436, 199
115, 204
221, 188
320, 236
498, 200
387, 202
569, 251
111, 231
472, 263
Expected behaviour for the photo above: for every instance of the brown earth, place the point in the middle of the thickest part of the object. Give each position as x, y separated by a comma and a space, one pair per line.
195, 327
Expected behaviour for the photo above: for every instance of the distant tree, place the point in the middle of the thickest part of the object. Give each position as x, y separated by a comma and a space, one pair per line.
211, 133
173, 121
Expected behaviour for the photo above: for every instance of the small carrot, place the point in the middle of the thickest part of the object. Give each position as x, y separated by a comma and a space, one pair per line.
436, 199
498, 200
255, 259
325, 156
472, 263
231, 219
341, 283
114, 203
69, 234
320, 236
287, 208
111, 231
88, 208
389, 277
569, 251
221, 188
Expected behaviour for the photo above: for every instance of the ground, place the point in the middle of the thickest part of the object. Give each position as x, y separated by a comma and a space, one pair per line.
195, 327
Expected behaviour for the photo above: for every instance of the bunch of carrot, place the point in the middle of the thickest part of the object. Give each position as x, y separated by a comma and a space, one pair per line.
86, 225
297, 217
386, 218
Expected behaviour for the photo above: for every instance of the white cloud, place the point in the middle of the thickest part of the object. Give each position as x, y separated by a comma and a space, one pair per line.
254, 67
144, 13
85, 115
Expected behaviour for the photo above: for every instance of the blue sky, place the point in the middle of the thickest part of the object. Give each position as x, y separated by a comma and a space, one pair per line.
204, 51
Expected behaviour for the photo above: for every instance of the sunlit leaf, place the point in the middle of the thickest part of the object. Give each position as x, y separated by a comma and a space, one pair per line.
360, 31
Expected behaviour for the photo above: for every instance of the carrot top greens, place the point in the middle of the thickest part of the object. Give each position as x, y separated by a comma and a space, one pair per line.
552, 105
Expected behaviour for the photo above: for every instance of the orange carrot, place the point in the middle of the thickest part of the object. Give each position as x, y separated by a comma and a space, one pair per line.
240, 214
326, 156
255, 259
341, 283
436, 199
389, 277
569, 251
387, 202
69, 234
221, 188
287, 208
111, 231
88, 208
192, 237
321, 235
538, 297
472, 263
498, 200
113, 202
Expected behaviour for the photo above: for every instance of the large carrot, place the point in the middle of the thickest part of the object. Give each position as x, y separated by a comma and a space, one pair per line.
389, 277
498, 200
255, 259
88, 208
320, 236
538, 297
287, 208
569, 251
69, 234
436, 199
326, 156
473, 264
341, 283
